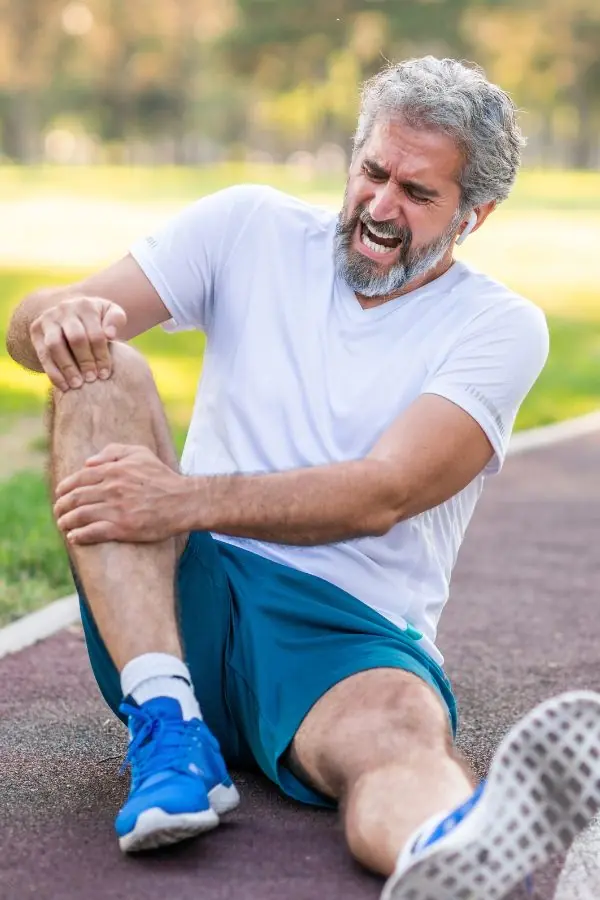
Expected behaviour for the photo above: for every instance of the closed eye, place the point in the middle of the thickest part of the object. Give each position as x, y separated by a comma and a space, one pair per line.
374, 174
417, 198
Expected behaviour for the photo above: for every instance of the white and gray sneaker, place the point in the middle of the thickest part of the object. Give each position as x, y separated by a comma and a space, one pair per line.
543, 788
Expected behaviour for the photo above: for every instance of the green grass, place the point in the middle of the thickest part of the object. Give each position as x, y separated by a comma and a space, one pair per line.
556, 190
152, 183
535, 189
569, 385
175, 359
33, 566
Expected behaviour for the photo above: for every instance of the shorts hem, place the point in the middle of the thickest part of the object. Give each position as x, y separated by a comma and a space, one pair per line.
286, 780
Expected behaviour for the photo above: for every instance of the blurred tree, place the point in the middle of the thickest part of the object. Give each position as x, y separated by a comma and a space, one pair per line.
28, 43
548, 55
276, 74
306, 58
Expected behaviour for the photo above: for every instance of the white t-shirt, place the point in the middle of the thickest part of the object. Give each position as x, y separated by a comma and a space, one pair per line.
296, 373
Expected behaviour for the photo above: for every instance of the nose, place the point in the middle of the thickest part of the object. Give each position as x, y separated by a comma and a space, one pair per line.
385, 204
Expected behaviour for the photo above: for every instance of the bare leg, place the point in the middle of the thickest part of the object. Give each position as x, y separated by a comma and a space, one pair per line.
379, 743
130, 587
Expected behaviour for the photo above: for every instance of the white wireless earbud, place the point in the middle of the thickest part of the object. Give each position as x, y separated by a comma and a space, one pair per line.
472, 222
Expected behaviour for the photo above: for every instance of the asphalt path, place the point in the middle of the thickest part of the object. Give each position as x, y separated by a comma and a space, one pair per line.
520, 626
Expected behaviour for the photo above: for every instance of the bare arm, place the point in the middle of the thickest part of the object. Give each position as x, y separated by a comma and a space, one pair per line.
427, 456
122, 283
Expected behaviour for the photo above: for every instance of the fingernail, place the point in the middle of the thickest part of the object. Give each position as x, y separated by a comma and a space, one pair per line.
76, 382
90, 376
104, 373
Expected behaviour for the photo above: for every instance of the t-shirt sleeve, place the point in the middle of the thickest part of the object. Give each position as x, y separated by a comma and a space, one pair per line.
490, 370
182, 259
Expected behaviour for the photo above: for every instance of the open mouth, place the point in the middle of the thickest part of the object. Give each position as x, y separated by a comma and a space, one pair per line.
374, 244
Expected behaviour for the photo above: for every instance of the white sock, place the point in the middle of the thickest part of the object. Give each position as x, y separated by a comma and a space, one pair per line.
160, 675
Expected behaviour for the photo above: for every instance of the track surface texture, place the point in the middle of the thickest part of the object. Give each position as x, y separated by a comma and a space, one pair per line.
520, 626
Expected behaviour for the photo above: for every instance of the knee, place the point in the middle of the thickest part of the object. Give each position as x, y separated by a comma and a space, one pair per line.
391, 738
130, 368
127, 358
403, 723
130, 375
369, 721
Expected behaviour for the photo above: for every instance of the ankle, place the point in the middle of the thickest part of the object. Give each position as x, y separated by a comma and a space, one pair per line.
160, 675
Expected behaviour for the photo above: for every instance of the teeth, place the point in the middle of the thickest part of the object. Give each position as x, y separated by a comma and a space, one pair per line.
378, 233
373, 246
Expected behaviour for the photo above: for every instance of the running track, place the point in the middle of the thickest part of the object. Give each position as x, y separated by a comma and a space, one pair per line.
522, 624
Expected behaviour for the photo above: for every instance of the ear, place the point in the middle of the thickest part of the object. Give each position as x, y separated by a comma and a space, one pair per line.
470, 225
476, 219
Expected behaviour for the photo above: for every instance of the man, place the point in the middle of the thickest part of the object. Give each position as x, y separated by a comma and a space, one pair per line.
358, 387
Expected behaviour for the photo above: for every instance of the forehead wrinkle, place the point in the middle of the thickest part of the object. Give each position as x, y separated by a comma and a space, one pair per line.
404, 181
386, 133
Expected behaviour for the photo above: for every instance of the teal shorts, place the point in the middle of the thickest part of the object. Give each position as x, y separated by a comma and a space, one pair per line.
263, 642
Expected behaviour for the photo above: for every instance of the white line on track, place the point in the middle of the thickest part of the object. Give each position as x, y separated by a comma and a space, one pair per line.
580, 878
38, 625
61, 613
536, 438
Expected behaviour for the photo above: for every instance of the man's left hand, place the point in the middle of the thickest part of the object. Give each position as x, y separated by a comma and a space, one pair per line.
123, 493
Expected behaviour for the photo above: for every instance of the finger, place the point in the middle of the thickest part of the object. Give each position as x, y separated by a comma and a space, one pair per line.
112, 453
83, 515
114, 321
97, 533
53, 372
78, 479
79, 345
81, 496
99, 344
60, 354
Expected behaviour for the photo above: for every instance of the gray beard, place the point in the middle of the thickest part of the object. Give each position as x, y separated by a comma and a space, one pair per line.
365, 276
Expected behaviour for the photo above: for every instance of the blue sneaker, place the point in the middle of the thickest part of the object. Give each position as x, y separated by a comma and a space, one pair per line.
222, 792
543, 788
176, 770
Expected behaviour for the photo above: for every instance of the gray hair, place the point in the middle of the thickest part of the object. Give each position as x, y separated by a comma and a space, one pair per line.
457, 99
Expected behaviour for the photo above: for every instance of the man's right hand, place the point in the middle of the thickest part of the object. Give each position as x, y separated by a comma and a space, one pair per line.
72, 340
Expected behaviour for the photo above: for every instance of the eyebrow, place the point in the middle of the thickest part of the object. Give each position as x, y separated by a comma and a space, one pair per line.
416, 186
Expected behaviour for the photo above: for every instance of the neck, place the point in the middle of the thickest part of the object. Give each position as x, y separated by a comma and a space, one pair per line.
436, 272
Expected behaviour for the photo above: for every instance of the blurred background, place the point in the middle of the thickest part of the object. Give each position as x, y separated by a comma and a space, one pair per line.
200, 81
116, 113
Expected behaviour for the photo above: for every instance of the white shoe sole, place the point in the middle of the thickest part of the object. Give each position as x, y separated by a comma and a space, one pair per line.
224, 799
543, 789
156, 828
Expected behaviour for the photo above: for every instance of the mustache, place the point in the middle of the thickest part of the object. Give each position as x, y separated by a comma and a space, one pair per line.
386, 229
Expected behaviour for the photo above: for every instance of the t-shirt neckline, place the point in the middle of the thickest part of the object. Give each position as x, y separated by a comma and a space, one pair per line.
353, 308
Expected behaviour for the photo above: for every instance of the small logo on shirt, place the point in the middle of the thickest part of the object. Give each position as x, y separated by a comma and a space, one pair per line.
488, 405
152, 242
412, 633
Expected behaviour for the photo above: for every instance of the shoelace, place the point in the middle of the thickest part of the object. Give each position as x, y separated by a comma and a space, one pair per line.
159, 744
